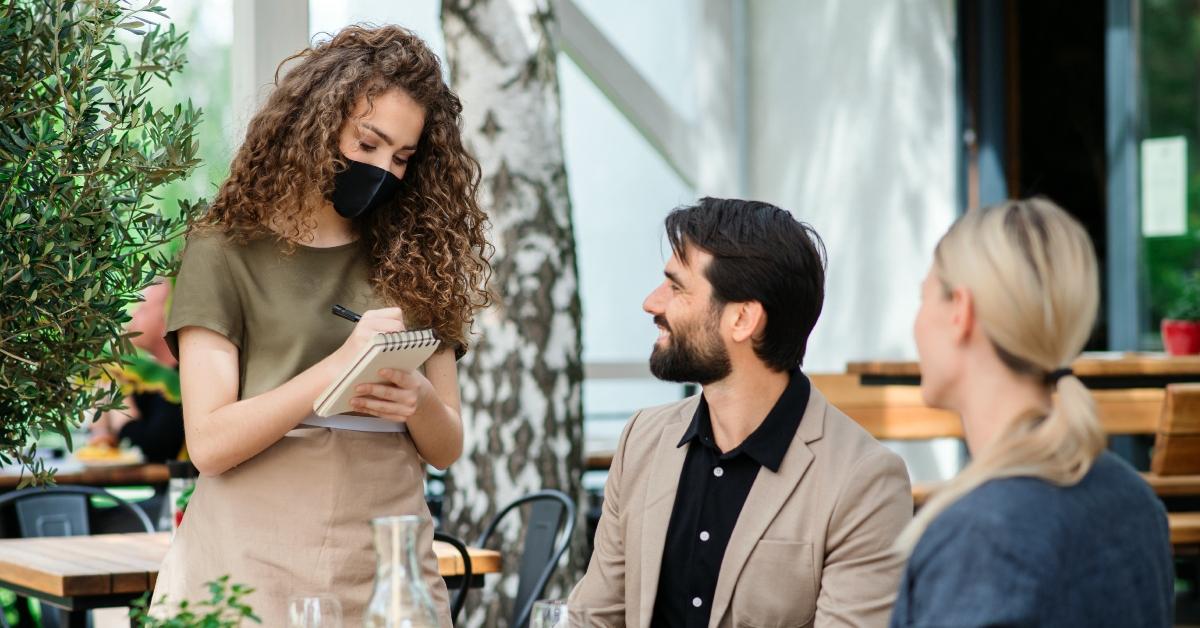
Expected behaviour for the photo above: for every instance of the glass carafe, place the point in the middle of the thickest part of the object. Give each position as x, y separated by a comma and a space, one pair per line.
401, 599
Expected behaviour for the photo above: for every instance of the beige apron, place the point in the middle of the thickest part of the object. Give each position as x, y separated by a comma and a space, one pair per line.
295, 520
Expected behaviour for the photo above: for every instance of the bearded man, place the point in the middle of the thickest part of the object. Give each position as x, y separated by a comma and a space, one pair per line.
755, 503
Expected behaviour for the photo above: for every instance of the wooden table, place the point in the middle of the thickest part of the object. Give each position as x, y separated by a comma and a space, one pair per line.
1163, 486
1097, 370
71, 472
79, 573
1185, 532
598, 460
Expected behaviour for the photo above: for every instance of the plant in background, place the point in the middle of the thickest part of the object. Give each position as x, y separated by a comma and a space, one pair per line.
1187, 305
82, 154
224, 609
1181, 327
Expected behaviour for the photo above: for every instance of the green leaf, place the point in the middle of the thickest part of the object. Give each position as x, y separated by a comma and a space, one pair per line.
75, 171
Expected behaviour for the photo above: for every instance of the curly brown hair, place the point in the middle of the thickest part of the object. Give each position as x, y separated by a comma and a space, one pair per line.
428, 251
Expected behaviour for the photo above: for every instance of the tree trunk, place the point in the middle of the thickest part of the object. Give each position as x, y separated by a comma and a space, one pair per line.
522, 380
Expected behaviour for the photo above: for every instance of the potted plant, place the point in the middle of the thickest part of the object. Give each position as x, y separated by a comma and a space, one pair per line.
1181, 327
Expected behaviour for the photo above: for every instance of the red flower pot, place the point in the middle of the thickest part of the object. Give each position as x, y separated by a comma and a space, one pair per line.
1181, 337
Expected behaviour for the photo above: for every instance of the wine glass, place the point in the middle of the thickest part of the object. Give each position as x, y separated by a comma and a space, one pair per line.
549, 614
557, 614
314, 611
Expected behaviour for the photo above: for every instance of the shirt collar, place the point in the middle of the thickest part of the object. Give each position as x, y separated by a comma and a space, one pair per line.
769, 442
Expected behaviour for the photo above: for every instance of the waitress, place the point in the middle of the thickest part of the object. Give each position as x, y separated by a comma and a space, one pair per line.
352, 187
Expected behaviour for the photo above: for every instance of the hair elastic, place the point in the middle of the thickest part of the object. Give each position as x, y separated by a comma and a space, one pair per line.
1053, 376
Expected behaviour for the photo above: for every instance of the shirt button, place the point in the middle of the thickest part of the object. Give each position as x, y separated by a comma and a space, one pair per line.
704, 535
696, 602
718, 471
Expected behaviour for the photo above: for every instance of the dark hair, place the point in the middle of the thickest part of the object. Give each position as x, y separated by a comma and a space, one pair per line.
760, 253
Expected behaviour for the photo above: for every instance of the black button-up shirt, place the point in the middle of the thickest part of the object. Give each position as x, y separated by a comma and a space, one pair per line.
713, 487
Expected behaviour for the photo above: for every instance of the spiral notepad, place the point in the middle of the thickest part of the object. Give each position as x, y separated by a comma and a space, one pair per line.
401, 351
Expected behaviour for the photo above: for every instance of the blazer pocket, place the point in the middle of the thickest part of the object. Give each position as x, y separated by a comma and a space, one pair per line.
778, 586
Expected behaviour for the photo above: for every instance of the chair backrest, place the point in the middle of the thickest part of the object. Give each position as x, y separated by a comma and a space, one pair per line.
548, 529
888, 412
1177, 441
62, 510
53, 515
460, 596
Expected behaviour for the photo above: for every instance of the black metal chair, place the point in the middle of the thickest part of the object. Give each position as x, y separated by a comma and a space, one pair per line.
460, 596
60, 511
548, 529
435, 493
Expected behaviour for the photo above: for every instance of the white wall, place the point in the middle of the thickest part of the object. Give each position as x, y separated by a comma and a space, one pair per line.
851, 128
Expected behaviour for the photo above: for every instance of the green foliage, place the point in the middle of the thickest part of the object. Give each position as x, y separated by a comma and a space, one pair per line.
8, 606
224, 609
82, 154
1187, 304
185, 496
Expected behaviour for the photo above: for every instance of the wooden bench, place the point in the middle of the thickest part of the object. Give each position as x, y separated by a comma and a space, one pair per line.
1185, 532
1163, 486
1175, 465
1177, 438
897, 412
1176, 459
894, 412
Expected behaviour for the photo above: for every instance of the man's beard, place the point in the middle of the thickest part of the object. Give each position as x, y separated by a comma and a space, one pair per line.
693, 353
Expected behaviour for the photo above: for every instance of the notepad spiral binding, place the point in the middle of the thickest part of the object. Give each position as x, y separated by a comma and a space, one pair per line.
401, 340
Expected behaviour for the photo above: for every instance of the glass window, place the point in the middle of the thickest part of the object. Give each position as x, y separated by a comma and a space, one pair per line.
620, 192
205, 80
658, 38
1170, 75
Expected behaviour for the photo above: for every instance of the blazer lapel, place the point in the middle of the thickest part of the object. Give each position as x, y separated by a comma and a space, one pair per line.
660, 501
767, 497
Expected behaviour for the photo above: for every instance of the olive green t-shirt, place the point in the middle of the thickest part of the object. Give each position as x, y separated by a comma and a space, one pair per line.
273, 305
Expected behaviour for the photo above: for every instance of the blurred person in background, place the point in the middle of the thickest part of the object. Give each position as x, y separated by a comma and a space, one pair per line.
1043, 527
152, 419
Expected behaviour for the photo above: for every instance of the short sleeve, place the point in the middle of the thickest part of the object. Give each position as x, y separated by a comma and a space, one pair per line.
205, 294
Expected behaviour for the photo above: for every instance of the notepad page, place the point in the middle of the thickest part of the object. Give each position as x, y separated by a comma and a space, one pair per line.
374, 358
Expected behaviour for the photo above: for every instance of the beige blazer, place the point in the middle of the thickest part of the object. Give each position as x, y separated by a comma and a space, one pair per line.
812, 546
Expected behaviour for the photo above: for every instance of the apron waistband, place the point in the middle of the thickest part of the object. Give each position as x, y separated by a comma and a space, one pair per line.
354, 423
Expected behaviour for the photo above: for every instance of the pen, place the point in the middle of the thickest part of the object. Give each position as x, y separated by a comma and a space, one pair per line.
346, 313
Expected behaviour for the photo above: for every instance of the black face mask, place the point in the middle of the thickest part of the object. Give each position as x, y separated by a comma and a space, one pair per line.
362, 187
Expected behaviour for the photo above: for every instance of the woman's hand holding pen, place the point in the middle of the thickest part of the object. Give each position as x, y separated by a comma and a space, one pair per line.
402, 392
396, 400
411, 397
371, 322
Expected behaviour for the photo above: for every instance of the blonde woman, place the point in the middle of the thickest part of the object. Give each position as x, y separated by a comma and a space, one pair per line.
1043, 528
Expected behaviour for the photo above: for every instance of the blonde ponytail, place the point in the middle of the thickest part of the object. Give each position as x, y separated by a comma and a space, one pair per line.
1031, 270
